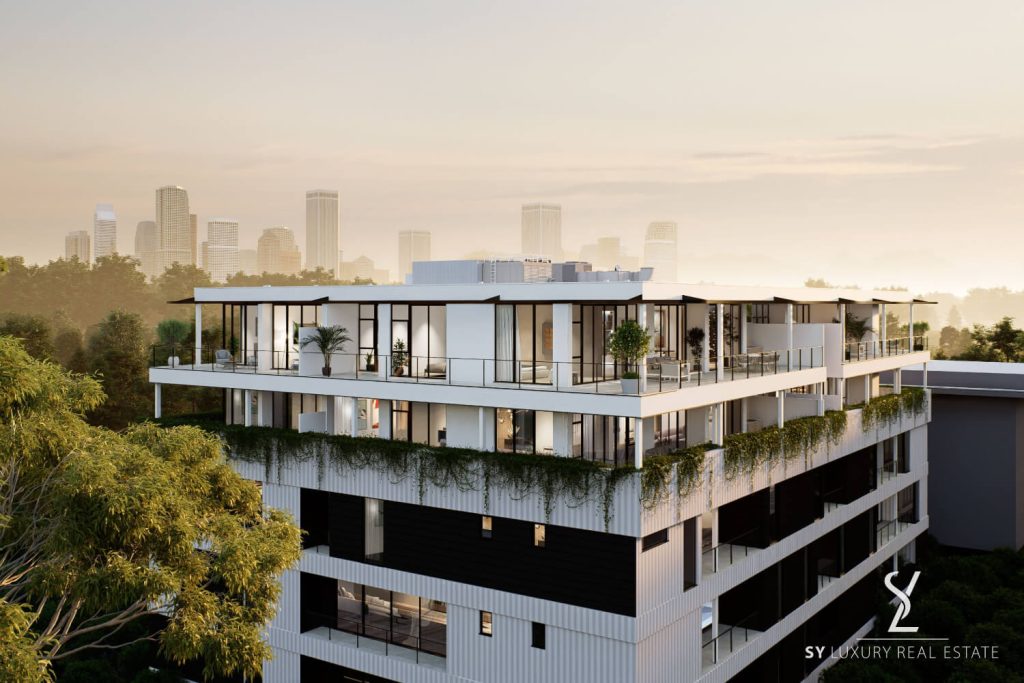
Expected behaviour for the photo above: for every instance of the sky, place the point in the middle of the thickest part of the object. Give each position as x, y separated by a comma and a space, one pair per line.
869, 143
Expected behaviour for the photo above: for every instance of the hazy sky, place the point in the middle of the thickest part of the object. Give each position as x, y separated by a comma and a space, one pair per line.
864, 142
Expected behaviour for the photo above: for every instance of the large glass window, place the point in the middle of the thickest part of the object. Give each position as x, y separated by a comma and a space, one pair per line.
419, 330
669, 432
368, 336
398, 618
592, 327
603, 438
524, 343
285, 321
418, 422
373, 534
516, 430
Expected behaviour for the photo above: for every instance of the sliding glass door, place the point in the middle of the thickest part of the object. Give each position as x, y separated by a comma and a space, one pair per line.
524, 343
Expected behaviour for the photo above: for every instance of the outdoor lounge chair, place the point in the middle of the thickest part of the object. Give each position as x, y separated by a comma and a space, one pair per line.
223, 357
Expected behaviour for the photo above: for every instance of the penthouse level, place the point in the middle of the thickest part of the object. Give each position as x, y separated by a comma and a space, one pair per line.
479, 341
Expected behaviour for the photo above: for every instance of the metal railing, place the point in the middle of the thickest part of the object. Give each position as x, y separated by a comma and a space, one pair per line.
349, 630
602, 377
727, 642
881, 348
726, 553
888, 529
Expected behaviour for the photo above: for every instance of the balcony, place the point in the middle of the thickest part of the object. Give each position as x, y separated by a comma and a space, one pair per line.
662, 375
883, 348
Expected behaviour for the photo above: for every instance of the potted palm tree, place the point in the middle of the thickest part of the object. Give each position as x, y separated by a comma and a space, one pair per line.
172, 333
629, 344
328, 340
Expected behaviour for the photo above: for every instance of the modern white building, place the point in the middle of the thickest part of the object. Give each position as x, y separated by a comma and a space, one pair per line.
221, 248
77, 246
413, 245
323, 226
514, 508
542, 231
174, 227
276, 252
104, 231
661, 250
147, 248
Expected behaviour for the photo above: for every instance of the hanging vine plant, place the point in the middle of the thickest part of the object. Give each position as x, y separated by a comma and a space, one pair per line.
685, 466
882, 411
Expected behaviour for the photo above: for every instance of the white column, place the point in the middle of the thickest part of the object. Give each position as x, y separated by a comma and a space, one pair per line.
481, 437
743, 415
157, 400
265, 337
641, 319
897, 380
561, 349
780, 418
198, 350
353, 417
867, 388
638, 443
384, 419
789, 326
247, 399
384, 340
881, 325
720, 342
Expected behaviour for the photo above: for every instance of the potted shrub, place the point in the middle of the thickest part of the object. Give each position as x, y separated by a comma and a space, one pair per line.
629, 344
328, 340
172, 333
370, 365
399, 357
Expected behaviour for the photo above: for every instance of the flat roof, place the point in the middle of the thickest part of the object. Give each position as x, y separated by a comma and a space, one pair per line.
550, 291
970, 378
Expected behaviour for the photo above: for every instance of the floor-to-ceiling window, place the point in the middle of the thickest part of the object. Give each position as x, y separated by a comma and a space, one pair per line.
398, 618
593, 324
367, 336
603, 438
666, 323
418, 340
524, 343
669, 432
286, 320
424, 423
524, 431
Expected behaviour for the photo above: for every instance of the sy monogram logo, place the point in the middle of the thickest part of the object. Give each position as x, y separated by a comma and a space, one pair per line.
903, 609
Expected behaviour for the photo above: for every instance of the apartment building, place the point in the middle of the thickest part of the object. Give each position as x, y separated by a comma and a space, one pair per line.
512, 509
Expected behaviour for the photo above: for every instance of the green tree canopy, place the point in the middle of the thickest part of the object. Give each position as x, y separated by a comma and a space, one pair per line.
99, 529
118, 355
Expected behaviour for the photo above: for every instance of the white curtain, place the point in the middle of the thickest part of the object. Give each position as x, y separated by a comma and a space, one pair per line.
506, 341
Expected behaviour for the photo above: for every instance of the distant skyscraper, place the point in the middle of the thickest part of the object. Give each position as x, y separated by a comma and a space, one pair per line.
147, 247
277, 252
220, 258
413, 245
542, 230
661, 250
193, 229
363, 268
247, 261
104, 230
322, 228
76, 245
174, 227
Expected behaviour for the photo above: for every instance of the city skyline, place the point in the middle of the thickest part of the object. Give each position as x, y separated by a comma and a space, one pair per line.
923, 146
